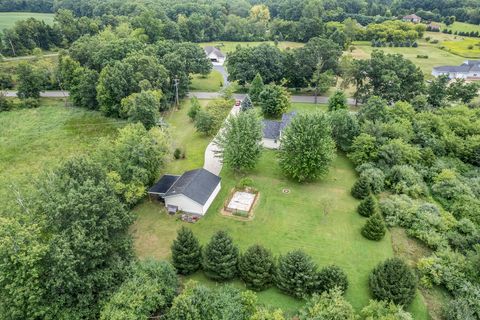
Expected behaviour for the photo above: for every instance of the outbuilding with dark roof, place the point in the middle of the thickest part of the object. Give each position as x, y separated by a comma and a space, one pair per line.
192, 192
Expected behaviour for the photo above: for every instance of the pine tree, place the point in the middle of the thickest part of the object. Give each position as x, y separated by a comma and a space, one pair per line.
256, 267
246, 103
374, 228
256, 87
220, 257
361, 189
186, 252
330, 277
296, 274
368, 206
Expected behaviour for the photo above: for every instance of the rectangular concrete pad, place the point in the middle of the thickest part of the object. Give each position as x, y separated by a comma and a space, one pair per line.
241, 201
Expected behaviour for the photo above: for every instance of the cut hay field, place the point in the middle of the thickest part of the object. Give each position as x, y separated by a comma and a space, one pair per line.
436, 56
468, 47
319, 218
229, 46
8, 19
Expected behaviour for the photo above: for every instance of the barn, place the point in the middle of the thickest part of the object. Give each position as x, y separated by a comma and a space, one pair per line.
192, 192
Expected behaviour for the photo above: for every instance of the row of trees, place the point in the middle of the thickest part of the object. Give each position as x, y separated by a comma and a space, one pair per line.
67, 247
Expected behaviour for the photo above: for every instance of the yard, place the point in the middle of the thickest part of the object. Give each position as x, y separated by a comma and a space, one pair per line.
213, 82
34, 139
436, 56
319, 218
8, 19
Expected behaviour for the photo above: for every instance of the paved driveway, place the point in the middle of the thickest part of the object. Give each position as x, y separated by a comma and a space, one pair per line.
213, 163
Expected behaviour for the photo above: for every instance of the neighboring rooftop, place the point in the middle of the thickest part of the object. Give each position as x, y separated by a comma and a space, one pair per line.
467, 66
197, 185
273, 128
412, 17
215, 50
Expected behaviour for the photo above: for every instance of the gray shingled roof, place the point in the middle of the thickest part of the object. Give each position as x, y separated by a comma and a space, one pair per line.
210, 49
469, 65
273, 128
197, 185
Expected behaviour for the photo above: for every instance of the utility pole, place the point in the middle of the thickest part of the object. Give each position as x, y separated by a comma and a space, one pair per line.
175, 84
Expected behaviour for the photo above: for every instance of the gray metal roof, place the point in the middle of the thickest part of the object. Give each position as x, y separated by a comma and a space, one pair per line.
210, 49
197, 185
469, 65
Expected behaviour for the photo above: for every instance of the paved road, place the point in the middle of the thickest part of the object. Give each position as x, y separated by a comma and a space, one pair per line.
241, 96
212, 162
45, 94
220, 68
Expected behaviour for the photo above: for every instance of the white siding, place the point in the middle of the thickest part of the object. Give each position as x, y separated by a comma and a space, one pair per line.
270, 143
184, 204
212, 197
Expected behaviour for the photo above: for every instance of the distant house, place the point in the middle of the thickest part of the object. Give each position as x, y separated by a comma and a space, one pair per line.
214, 54
272, 130
192, 192
412, 18
469, 70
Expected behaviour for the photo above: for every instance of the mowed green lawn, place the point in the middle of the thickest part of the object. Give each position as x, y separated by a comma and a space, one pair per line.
34, 139
213, 82
461, 26
468, 47
8, 19
436, 56
229, 46
319, 218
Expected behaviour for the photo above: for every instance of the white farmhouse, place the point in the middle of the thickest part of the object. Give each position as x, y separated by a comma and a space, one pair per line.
192, 192
272, 130
215, 55
469, 70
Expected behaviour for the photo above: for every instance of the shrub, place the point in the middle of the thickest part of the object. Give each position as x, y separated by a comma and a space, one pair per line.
220, 257
368, 206
404, 179
194, 108
464, 235
422, 56
296, 274
177, 154
393, 281
465, 306
204, 122
186, 252
374, 228
375, 179
331, 277
29, 103
256, 267
361, 188
5, 103
337, 101
344, 128
245, 182
398, 210
328, 305
383, 310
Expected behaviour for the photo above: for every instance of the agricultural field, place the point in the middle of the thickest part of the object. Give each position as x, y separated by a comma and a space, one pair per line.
468, 47
436, 56
461, 26
8, 19
34, 139
229, 46
327, 227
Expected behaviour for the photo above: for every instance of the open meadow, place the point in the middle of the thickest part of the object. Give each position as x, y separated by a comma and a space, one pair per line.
34, 139
8, 19
318, 217
229, 46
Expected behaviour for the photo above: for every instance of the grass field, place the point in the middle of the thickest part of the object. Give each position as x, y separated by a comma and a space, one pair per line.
436, 56
34, 139
461, 26
468, 47
229, 46
317, 217
211, 83
8, 19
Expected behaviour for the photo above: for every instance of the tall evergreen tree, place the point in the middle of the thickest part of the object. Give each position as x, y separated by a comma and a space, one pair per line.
246, 103
368, 206
374, 228
296, 274
256, 267
330, 277
186, 252
256, 87
361, 189
220, 257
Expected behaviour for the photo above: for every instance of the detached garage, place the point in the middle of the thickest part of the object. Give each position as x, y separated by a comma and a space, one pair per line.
192, 192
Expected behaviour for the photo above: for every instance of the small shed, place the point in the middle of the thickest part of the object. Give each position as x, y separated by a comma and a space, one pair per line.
192, 192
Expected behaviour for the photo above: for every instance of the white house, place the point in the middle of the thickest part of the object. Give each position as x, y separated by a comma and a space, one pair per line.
215, 55
192, 192
412, 18
469, 70
272, 130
